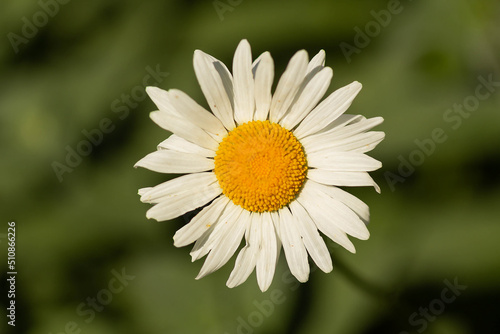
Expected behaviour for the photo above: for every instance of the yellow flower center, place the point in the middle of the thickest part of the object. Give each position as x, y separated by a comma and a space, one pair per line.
260, 166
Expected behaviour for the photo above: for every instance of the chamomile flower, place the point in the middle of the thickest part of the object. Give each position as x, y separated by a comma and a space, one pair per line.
265, 167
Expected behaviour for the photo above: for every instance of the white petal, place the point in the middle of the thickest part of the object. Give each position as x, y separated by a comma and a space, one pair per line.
324, 138
187, 201
213, 235
161, 99
354, 203
247, 258
142, 191
314, 243
339, 123
295, 251
288, 86
166, 161
339, 214
193, 230
201, 246
192, 111
342, 161
177, 186
184, 129
361, 142
323, 223
318, 61
346, 131
269, 253
309, 97
227, 244
176, 143
328, 110
216, 83
244, 97
264, 75
349, 179
356, 128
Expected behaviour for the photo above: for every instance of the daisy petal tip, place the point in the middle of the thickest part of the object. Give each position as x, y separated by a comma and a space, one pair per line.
321, 54
364, 236
153, 114
303, 278
138, 164
264, 288
141, 163
328, 72
151, 218
266, 55
145, 199
231, 283
244, 43
328, 269
199, 55
303, 54
201, 274
264, 284
156, 94
151, 89
178, 244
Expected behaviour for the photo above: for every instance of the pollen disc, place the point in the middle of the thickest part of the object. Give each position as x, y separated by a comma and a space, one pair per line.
260, 166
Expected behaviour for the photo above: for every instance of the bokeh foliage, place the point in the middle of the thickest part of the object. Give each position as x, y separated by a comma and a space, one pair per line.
441, 223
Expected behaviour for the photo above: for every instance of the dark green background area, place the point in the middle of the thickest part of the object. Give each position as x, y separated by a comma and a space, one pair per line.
435, 223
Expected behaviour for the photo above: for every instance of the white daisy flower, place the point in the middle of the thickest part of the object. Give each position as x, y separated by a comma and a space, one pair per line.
267, 167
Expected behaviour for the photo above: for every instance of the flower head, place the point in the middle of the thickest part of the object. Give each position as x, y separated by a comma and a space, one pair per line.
266, 167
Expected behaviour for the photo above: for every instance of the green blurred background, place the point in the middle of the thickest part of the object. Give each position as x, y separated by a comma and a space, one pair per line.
81, 67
